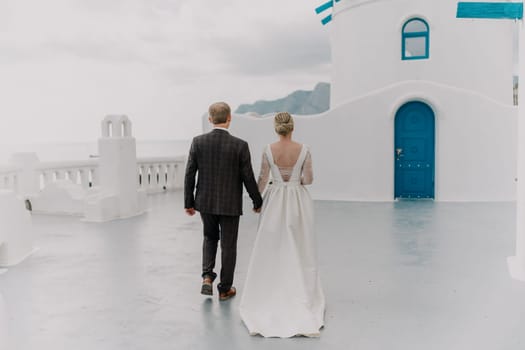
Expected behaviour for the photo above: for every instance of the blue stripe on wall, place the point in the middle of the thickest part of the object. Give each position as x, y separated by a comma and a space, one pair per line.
494, 10
326, 20
324, 7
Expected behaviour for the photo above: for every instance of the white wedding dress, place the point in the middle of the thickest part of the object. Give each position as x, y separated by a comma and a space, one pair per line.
282, 295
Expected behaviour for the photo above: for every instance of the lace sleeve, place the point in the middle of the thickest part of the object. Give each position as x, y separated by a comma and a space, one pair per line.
307, 176
264, 175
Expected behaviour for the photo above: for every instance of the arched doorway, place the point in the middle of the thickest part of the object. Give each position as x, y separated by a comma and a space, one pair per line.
414, 151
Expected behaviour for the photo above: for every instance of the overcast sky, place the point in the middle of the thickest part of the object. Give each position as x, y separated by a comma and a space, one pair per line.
65, 64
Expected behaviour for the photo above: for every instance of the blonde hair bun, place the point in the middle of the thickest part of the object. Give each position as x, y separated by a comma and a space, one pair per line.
283, 123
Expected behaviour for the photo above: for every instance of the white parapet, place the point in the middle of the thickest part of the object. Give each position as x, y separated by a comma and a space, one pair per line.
16, 241
111, 186
517, 263
117, 195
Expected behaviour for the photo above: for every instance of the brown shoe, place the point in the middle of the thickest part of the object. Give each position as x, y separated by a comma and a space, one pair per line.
207, 286
227, 295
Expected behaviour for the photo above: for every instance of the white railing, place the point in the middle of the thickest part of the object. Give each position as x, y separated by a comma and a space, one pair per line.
8, 177
84, 173
158, 174
154, 174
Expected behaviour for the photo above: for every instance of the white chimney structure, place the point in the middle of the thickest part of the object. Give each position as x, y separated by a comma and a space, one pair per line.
118, 195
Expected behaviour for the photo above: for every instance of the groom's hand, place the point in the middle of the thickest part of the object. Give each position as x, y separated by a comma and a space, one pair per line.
257, 210
190, 211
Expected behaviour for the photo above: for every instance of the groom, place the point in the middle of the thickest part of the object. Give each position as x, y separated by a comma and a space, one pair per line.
223, 165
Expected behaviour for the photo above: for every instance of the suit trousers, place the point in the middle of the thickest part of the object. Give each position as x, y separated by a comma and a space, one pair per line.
225, 229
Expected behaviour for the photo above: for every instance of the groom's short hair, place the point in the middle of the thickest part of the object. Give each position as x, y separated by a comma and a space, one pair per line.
219, 112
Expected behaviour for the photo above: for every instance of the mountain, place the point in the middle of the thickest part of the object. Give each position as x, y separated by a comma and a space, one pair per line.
298, 102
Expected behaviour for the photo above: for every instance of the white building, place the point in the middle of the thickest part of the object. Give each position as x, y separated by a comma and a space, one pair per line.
421, 106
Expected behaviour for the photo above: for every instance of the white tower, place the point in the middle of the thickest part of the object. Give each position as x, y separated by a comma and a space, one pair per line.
118, 195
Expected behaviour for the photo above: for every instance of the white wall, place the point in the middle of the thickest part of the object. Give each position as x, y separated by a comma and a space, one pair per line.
353, 145
467, 81
366, 49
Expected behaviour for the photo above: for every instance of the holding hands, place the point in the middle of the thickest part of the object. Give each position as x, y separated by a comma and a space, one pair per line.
191, 211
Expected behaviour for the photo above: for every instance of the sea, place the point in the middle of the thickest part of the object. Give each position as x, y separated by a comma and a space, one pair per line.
66, 151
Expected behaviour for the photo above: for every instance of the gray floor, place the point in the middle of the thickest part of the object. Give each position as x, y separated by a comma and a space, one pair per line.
406, 275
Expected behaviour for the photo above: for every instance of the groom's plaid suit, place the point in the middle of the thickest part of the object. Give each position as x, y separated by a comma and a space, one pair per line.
222, 163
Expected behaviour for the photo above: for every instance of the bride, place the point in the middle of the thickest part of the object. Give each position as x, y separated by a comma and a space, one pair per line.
282, 295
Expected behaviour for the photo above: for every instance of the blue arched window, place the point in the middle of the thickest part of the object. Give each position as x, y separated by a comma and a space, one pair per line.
415, 40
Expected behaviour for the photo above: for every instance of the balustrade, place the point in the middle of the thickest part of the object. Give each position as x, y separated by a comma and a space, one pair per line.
158, 174
80, 172
154, 174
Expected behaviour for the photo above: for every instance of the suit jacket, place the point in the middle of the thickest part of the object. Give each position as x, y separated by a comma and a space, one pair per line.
223, 164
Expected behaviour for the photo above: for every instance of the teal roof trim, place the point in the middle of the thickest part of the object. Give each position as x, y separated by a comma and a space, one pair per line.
327, 5
324, 7
326, 20
491, 10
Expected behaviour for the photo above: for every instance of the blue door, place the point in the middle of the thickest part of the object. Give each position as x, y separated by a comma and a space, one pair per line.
414, 151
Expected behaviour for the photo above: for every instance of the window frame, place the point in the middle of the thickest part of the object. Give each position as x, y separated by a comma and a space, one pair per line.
424, 34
